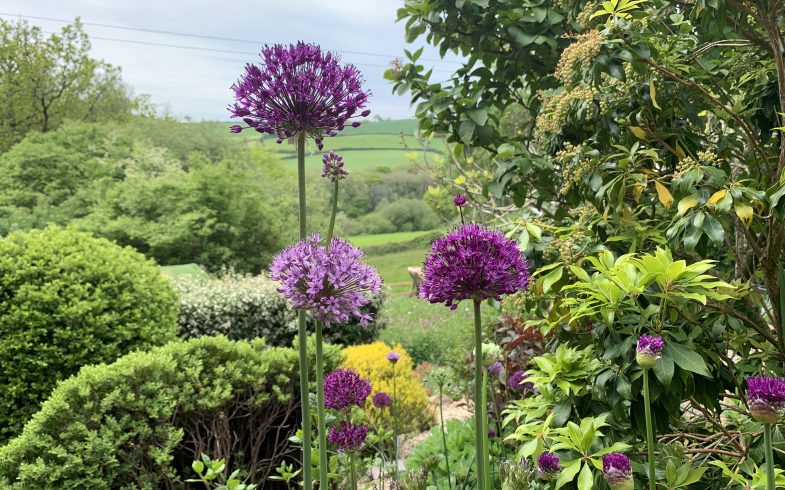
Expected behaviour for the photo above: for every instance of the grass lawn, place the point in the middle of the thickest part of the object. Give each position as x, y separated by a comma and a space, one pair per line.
363, 241
393, 268
175, 271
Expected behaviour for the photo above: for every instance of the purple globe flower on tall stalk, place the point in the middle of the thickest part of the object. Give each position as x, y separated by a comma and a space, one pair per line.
345, 388
766, 398
618, 471
474, 263
393, 357
347, 436
333, 167
298, 89
381, 400
648, 350
334, 284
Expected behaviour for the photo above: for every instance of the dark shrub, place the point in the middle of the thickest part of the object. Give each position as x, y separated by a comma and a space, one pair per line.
68, 299
141, 421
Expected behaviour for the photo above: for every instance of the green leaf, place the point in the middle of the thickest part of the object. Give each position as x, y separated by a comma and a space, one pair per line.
687, 203
568, 472
586, 478
478, 115
551, 278
664, 368
198, 467
713, 229
687, 359
466, 131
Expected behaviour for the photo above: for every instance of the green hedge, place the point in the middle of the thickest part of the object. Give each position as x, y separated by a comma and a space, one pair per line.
68, 299
248, 307
139, 422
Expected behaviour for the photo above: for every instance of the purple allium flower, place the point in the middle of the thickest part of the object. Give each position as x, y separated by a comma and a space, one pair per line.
549, 465
344, 388
766, 398
618, 471
381, 400
347, 437
473, 262
298, 88
518, 381
491, 433
648, 351
495, 368
459, 200
236, 128
393, 357
333, 284
333, 167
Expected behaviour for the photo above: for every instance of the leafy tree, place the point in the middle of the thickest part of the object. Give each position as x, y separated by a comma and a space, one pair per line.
44, 81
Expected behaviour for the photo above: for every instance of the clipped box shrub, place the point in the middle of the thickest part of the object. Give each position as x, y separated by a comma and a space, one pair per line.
68, 299
140, 421
249, 307
414, 409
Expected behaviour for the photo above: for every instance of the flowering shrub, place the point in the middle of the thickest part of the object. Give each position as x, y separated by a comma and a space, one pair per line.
143, 419
413, 409
248, 307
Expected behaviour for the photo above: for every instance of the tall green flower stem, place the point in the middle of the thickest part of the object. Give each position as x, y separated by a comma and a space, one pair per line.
481, 432
767, 442
302, 334
395, 425
649, 429
485, 439
354, 470
324, 481
444, 435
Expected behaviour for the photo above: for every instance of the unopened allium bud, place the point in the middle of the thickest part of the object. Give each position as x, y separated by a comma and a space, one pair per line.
618, 471
459, 200
648, 351
766, 398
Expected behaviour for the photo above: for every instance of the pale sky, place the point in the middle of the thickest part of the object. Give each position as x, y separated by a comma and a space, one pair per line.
196, 83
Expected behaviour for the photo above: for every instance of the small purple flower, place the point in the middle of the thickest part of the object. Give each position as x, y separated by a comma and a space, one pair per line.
344, 388
495, 368
518, 381
648, 351
549, 465
473, 262
459, 200
333, 284
299, 89
766, 398
333, 167
347, 437
236, 128
491, 433
381, 400
393, 357
618, 471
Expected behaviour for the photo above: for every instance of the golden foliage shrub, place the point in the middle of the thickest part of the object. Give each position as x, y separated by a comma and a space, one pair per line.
414, 409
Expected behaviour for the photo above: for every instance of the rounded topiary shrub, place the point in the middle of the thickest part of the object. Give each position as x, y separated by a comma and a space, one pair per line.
248, 307
68, 299
141, 421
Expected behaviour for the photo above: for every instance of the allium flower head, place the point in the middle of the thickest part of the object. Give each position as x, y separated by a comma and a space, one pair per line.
473, 262
393, 357
648, 351
549, 465
347, 437
618, 471
333, 167
333, 284
495, 368
766, 398
299, 88
491, 433
344, 388
381, 400
459, 200
518, 381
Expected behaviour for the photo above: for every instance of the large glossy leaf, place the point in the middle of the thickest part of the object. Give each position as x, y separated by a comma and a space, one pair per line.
687, 359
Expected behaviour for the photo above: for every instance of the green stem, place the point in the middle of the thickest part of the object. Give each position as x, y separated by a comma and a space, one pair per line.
395, 425
324, 481
334, 211
302, 334
649, 429
354, 470
485, 440
781, 277
444, 439
480, 432
767, 442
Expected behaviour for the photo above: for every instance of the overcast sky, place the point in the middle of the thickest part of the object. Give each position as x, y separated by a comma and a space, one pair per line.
196, 83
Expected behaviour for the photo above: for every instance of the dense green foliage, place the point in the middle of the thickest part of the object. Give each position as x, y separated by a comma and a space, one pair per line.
140, 421
46, 80
250, 307
198, 198
651, 128
68, 300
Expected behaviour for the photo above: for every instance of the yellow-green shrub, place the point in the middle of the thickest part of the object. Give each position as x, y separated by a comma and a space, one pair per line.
413, 407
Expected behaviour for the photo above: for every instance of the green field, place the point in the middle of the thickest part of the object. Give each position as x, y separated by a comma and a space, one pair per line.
393, 268
175, 271
364, 241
